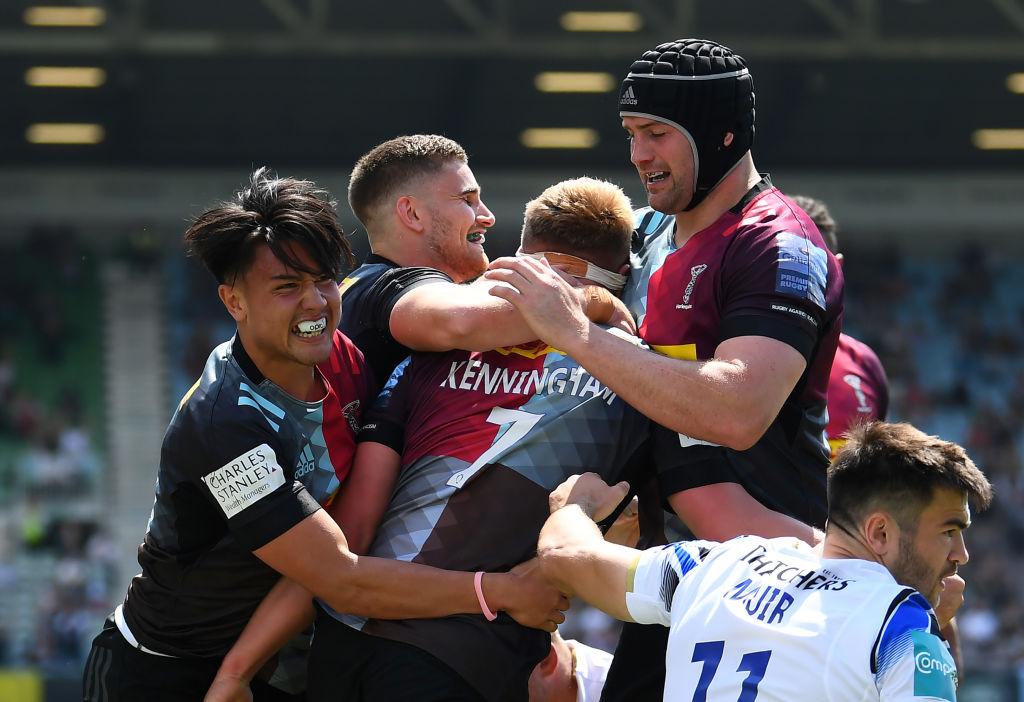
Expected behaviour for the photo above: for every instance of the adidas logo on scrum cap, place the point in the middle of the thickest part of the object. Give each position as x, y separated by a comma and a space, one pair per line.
628, 98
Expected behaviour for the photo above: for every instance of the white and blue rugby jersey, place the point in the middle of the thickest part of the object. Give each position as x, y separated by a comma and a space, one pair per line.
768, 620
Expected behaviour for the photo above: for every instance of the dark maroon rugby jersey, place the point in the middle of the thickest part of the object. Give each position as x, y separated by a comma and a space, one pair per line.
761, 269
242, 462
858, 390
484, 438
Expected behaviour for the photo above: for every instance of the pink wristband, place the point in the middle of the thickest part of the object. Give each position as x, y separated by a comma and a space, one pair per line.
478, 584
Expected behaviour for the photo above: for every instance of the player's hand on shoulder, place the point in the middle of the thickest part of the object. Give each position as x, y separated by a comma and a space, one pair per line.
593, 495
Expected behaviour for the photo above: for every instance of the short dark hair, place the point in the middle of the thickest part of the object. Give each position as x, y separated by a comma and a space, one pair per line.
896, 467
589, 218
278, 212
392, 164
822, 218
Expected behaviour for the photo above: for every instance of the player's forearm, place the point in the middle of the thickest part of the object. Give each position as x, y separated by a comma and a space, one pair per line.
383, 588
722, 511
360, 504
702, 399
469, 329
441, 318
285, 611
314, 553
563, 546
577, 560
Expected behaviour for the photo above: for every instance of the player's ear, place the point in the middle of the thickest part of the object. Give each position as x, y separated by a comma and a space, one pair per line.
233, 300
408, 211
550, 662
881, 533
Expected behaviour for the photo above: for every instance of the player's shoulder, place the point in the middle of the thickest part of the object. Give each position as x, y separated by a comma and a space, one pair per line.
910, 644
766, 211
218, 373
648, 223
908, 617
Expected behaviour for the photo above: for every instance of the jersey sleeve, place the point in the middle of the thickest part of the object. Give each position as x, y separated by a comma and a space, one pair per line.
385, 422
652, 579
244, 467
911, 661
775, 285
387, 290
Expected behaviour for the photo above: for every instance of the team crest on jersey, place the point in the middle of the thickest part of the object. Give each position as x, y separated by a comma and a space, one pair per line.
854, 381
351, 411
694, 272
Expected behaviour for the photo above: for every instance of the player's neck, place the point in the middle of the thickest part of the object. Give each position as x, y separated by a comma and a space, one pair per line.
720, 200
840, 544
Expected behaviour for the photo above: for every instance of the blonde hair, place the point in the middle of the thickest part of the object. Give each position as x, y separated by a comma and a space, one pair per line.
587, 217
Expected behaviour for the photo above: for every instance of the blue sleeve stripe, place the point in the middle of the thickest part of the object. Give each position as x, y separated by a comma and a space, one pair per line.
683, 557
244, 401
908, 611
268, 406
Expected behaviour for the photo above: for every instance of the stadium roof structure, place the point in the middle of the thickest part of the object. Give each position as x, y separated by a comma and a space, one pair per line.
841, 84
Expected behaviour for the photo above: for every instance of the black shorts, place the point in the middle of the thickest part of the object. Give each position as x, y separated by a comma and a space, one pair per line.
637, 673
346, 664
118, 672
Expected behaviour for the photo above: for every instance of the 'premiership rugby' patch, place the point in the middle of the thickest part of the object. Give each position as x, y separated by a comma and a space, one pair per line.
802, 268
934, 671
246, 480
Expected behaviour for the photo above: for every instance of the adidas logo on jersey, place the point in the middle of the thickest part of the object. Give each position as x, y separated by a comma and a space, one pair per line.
306, 463
628, 98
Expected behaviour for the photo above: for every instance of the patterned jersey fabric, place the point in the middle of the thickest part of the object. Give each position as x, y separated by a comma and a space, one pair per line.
242, 462
761, 269
484, 437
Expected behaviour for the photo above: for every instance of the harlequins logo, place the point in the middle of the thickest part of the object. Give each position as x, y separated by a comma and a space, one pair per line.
854, 382
694, 272
351, 410
628, 98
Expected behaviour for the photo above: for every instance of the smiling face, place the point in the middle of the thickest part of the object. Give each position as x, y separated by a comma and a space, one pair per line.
286, 318
936, 548
456, 220
664, 158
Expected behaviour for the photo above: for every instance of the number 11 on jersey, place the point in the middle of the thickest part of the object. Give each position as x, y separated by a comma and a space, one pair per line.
754, 664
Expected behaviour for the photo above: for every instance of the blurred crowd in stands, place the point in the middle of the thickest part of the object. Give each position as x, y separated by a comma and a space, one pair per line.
949, 331
55, 559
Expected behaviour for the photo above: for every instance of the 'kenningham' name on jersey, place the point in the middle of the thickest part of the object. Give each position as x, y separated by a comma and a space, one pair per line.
477, 375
